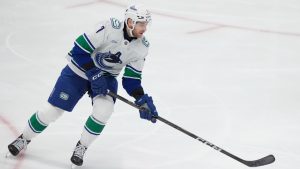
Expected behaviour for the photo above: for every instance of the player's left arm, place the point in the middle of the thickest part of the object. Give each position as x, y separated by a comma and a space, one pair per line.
131, 82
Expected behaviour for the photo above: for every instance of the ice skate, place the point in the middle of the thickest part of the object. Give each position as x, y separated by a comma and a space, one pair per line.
77, 157
16, 146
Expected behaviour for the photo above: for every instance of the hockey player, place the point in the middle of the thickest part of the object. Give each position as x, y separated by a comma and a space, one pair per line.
98, 56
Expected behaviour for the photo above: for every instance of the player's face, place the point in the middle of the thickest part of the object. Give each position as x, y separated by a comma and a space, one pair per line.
139, 29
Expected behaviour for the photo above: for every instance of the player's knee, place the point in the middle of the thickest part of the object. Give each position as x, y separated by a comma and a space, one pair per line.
103, 107
49, 114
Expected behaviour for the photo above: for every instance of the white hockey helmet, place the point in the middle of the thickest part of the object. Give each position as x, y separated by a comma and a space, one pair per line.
137, 13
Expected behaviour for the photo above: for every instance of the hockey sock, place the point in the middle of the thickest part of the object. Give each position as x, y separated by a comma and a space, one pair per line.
92, 129
40, 120
34, 127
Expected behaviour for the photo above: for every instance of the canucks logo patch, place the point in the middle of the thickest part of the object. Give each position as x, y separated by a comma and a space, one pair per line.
115, 23
145, 42
107, 60
63, 96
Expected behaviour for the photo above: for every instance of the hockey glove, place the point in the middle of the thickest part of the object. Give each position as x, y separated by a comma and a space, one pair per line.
98, 81
149, 110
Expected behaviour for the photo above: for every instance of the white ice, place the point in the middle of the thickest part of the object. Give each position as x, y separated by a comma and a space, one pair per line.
226, 70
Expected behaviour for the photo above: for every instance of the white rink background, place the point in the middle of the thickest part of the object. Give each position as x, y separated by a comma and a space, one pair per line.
226, 70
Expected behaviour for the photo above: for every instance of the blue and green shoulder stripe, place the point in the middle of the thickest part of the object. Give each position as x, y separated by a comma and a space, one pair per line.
81, 53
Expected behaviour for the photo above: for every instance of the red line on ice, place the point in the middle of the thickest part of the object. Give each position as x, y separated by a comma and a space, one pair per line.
206, 29
194, 20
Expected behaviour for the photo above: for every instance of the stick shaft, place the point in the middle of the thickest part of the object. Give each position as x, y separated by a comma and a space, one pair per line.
176, 127
184, 131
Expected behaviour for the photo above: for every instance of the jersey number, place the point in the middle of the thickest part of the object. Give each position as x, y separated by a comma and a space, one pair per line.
102, 27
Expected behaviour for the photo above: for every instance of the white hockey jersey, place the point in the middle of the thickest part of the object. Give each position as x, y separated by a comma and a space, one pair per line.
108, 36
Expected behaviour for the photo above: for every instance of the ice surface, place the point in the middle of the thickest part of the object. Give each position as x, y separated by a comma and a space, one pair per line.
227, 71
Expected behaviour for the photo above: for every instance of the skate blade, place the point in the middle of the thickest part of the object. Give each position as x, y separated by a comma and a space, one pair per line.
73, 166
8, 155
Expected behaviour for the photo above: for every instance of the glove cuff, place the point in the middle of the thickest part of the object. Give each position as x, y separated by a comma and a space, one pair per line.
92, 73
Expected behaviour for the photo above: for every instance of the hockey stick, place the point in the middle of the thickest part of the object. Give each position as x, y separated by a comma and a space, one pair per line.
256, 163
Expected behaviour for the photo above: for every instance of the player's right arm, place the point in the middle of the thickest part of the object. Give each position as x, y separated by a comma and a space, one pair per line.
80, 57
85, 45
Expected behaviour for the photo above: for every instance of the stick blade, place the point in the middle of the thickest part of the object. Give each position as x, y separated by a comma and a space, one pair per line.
260, 162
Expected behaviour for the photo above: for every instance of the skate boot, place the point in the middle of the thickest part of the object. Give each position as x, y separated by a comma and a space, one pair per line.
77, 157
19, 144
